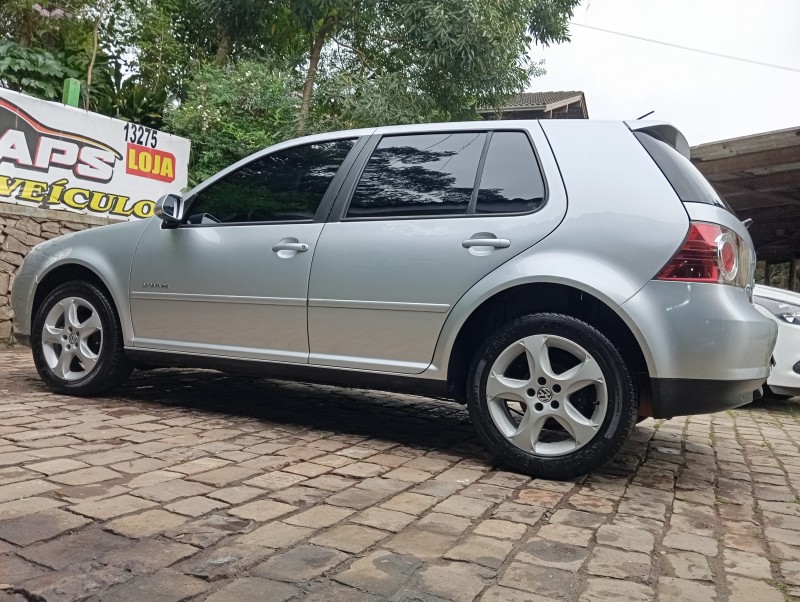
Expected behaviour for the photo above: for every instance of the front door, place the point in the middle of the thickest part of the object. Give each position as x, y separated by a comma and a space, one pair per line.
430, 216
232, 279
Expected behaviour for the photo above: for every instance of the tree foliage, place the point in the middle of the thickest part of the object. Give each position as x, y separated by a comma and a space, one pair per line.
325, 64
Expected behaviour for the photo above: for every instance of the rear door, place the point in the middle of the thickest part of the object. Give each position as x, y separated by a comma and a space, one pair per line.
427, 216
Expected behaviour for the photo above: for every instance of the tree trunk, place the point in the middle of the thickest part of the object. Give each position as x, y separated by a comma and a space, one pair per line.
223, 50
311, 74
95, 33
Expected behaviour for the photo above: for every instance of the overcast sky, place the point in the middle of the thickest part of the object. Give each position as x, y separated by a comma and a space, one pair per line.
706, 97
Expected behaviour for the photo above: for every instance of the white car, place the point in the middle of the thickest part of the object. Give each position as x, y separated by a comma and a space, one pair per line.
784, 307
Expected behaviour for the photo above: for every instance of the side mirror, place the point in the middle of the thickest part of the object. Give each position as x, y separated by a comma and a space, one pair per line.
169, 208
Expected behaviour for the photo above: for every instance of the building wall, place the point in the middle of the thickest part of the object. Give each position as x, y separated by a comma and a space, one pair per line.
21, 228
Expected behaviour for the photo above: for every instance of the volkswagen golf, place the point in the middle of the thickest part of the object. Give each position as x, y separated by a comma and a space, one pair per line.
563, 279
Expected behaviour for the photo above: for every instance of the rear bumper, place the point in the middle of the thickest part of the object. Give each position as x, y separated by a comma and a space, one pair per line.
687, 396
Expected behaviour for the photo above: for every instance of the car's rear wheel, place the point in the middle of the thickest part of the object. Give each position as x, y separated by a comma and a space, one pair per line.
551, 396
77, 341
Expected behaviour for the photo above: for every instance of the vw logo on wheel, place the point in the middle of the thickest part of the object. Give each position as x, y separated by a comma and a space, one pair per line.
544, 394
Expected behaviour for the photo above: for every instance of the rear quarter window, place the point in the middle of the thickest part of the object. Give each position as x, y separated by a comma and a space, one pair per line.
689, 184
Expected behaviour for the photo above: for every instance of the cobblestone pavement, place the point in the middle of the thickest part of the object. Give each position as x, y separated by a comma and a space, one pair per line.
196, 485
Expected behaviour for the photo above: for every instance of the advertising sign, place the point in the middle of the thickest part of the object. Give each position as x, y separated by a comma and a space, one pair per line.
57, 157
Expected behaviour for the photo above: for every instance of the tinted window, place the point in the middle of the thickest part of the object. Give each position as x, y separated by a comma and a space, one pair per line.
417, 175
688, 182
285, 186
511, 181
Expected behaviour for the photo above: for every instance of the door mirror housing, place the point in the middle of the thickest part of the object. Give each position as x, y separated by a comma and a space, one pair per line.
169, 208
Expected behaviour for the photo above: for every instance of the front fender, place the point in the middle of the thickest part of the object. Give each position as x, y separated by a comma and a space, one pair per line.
106, 251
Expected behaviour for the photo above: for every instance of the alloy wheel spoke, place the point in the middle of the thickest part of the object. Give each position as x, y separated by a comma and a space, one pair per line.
581, 428
539, 354
86, 357
502, 387
586, 373
91, 325
52, 335
529, 430
62, 368
71, 313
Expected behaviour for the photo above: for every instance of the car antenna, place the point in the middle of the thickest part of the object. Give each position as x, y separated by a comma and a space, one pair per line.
645, 115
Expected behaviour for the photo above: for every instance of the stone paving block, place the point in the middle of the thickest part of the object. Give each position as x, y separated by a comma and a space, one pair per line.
40, 526
603, 590
689, 565
500, 529
308, 469
357, 498
349, 538
163, 586
335, 592
451, 581
425, 545
248, 589
626, 538
671, 589
300, 496
319, 516
518, 513
171, 490
221, 477
741, 589
485, 551
149, 556
691, 543
224, 561
381, 572
548, 583
541, 498
236, 495
262, 510
381, 518
463, 506
195, 506
576, 518
276, 534
87, 545
146, 524
15, 570
746, 564
56, 466
302, 563
207, 531
78, 582
112, 507
26, 506
553, 554
15, 491
608, 562
446, 524
566, 534
139, 465
273, 481
86, 476
592, 503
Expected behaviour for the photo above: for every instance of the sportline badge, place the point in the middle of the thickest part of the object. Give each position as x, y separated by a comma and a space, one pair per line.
88, 164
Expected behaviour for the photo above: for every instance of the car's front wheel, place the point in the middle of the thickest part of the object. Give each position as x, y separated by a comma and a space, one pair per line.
551, 396
77, 341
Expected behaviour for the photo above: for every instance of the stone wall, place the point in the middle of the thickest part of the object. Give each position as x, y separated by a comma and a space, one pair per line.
21, 228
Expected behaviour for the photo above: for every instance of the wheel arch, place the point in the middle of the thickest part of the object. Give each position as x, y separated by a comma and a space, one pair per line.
66, 272
537, 297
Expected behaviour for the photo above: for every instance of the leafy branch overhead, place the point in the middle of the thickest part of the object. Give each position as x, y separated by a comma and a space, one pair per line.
324, 64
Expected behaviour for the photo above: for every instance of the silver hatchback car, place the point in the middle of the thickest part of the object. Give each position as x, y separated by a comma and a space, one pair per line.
561, 278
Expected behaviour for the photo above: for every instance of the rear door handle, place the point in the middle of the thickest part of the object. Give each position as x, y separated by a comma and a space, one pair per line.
497, 243
290, 246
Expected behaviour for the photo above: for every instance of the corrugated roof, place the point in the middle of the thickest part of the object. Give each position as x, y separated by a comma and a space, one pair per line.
543, 99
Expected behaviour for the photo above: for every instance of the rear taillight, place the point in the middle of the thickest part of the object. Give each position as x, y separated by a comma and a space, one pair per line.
710, 253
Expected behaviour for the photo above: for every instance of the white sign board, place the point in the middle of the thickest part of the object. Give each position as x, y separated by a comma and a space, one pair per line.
58, 157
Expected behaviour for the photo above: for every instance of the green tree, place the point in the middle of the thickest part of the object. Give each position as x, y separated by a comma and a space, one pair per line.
233, 110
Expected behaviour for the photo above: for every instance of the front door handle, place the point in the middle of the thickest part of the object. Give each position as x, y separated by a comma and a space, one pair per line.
290, 246
497, 243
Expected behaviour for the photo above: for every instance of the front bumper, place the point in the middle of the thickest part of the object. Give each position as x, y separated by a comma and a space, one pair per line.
21, 303
706, 346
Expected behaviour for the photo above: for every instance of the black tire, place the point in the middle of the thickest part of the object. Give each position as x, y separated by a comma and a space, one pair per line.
112, 365
622, 403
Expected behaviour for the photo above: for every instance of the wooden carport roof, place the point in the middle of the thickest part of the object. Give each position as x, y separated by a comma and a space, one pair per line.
759, 176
